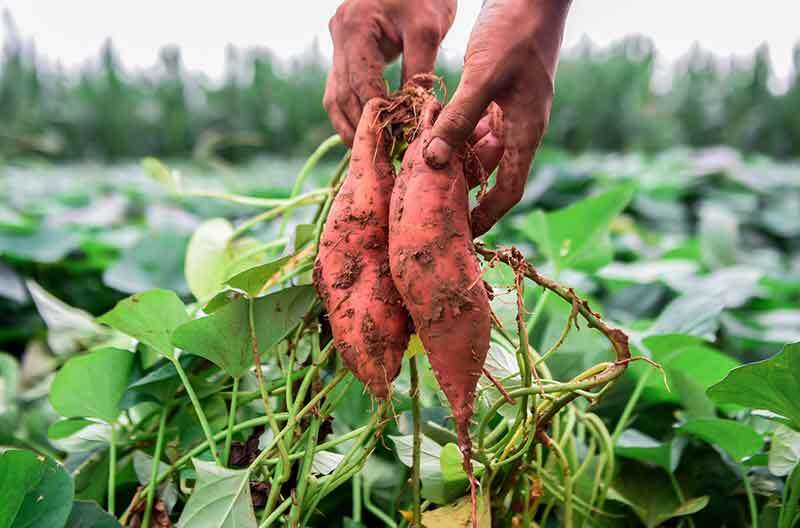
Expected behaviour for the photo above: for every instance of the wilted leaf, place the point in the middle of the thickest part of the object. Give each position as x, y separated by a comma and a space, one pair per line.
784, 452
69, 329
459, 513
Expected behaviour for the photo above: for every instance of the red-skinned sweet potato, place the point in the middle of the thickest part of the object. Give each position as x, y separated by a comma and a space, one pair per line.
436, 271
370, 326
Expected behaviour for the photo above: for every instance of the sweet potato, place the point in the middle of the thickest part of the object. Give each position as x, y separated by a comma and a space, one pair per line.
436, 271
369, 324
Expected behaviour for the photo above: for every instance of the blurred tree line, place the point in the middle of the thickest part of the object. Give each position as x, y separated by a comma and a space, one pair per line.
606, 99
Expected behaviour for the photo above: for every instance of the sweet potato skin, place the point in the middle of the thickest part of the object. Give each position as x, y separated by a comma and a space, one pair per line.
436, 271
370, 326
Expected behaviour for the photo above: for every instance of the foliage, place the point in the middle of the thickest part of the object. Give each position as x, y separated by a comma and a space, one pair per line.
694, 254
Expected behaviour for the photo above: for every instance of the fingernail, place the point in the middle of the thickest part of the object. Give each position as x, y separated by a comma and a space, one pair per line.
437, 153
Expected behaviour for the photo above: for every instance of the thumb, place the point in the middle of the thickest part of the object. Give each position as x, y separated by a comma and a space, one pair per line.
457, 121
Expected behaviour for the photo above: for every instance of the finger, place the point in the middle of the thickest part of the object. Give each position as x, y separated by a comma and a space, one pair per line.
365, 69
341, 123
491, 121
522, 136
458, 118
489, 150
350, 107
419, 53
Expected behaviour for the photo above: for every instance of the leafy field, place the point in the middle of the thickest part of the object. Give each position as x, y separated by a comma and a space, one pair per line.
695, 255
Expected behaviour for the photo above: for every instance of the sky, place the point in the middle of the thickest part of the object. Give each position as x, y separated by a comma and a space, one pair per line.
71, 32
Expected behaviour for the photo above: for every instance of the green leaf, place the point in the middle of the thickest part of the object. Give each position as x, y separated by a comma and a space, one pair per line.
45, 245
75, 435
221, 499
691, 368
156, 261
224, 336
577, 236
161, 382
784, 451
251, 281
207, 258
414, 347
303, 233
772, 384
69, 329
649, 494
35, 491
638, 446
87, 514
92, 385
150, 317
694, 315
9, 384
154, 168
738, 440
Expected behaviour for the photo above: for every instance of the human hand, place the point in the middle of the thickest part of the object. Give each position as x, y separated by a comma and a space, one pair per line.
367, 34
511, 60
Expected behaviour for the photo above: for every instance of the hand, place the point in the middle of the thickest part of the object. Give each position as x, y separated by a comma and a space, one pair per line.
367, 34
511, 60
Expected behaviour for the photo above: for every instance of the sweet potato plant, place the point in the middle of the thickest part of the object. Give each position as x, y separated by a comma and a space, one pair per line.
372, 365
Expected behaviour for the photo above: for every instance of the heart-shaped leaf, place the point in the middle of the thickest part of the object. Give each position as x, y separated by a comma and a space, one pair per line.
649, 494
221, 499
738, 440
92, 385
772, 384
35, 491
577, 236
87, 514
224, 336
150, 317
638, 446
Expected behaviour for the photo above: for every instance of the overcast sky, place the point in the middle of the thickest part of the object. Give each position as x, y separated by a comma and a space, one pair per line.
71, 31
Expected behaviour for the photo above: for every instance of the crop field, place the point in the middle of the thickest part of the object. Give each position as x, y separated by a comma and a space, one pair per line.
167, 360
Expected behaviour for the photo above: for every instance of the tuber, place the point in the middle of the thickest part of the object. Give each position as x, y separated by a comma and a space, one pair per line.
370, 326
436, 271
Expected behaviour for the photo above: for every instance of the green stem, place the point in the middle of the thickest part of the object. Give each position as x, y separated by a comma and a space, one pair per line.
198, 409
282, 450
630, 405
226, 452
789, 506
751, 498
277, 512
309, 165
538, 309
305, 471
356, 514
416, 499
236, 198
112, 469
312, 197
153, 484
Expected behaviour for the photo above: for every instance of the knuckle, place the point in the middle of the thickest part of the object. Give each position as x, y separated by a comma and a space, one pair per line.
427, 34
455, 121
336, 19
